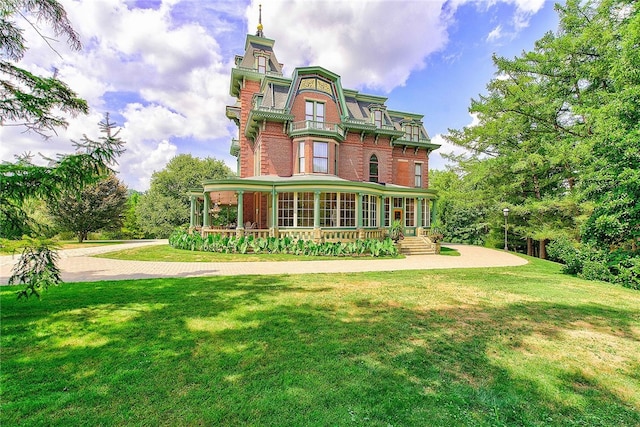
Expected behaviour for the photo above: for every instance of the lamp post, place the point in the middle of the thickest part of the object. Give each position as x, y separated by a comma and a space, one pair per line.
505, 211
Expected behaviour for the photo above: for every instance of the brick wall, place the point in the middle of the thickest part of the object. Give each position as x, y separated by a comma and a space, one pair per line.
277, 152
350, 164
383, 152
246, 150
330, 107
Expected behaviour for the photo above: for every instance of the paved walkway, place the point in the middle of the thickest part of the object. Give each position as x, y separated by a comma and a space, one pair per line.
78, 265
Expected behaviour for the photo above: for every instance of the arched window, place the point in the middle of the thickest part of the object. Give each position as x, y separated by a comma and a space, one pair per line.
373, 168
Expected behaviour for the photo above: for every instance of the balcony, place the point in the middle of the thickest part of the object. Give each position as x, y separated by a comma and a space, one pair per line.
316, 128
260, 114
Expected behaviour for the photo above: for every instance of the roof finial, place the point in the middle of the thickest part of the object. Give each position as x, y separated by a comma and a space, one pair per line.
259, 33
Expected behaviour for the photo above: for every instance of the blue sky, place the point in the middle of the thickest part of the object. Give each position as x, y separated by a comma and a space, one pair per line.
161, 67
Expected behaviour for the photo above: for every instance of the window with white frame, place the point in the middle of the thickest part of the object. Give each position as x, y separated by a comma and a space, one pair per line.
285, 209
415, 133
409, 212
426, 213
320, 157
328, 210
301, 168
369, 211
305, 210
347, 210
314, 114
262, 65
377, 118
387, 211
412, 132
418, 175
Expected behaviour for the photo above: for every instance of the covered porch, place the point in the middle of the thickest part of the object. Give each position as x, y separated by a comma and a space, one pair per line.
309, 207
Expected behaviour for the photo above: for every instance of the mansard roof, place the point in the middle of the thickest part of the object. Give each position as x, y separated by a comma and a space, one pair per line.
277, 93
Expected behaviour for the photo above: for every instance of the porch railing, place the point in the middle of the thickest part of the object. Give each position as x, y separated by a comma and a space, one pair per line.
324, 235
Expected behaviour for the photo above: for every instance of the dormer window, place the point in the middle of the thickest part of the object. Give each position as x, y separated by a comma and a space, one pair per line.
377, 118
412, 132
262, 65
415, 133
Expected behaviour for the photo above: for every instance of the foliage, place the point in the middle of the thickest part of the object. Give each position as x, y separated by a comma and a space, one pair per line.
181, 239
166, 205
36, 268
27, 99
589, 262
131, 225
396, 230
435, 235
23, 180
557, 138
38, 104
99, 206
462, 211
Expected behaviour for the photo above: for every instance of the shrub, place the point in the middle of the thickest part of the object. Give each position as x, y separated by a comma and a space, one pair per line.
181, 239
594, 270
564, 251
619, 266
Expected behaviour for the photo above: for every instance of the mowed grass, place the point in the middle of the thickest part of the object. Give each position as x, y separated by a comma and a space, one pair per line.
489, 347
11, 247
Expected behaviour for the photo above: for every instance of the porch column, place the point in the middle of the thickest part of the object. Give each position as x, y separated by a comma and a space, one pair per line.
316, 209
420, 220
205, 210
274, 212
240, 210
192, 213
317, 235
434, 214
379, 209
359, 210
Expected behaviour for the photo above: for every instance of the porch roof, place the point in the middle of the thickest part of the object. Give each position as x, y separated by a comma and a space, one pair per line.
310, 183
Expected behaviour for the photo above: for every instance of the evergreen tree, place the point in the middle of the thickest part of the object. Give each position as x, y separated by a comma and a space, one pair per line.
26, 99
96, 207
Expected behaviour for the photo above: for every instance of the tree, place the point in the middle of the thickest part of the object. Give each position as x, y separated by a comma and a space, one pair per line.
22, 180
100, 206
38, 104
559, 135
26, 99
131, 226
462, 209
166, 205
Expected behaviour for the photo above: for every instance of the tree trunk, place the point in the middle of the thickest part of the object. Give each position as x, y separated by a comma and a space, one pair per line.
529, 246
536, 187
543, 249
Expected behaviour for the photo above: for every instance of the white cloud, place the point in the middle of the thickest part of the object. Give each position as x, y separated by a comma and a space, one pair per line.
173, 71
436, 161
370, 44
495, 34
174, 65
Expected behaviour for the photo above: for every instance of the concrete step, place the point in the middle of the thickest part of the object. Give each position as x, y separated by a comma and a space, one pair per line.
414, 245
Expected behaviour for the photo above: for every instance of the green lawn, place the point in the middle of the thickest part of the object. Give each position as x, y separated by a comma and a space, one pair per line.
492, 347
10, 247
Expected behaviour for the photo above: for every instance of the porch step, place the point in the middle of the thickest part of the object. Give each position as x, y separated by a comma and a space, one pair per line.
414, 245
